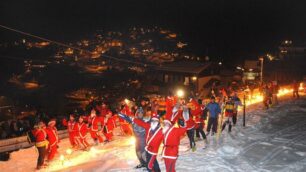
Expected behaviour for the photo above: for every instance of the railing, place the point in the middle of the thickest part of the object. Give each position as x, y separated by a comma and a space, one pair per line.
22, 142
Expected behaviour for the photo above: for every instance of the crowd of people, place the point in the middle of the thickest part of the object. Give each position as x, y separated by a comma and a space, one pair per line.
14, 128
151, 122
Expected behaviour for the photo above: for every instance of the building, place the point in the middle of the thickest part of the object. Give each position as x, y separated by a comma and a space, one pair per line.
189, 75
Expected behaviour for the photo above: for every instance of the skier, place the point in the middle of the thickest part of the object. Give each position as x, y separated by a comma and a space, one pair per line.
172, 140
199, 120
275, 89
266, 96
41, 143
94, 122
109, 125
190, 125
72, 133
154, 137
81, 129
139, 133
295, 86
125, 126
214, 111
52, 137
237, 101
229, 109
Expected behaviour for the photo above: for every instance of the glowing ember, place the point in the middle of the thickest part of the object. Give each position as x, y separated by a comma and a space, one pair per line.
301, 86
92, 149
62, 157
69, 151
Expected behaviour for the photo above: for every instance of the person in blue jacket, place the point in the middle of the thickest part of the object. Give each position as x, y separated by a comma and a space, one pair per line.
214, 111
139, 134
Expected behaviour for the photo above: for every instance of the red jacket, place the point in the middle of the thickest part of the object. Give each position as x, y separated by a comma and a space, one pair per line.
153, 140
52, 136
171, 142
81, 129
190, 123
94, 123
173, 117
69, 125
40, 137
109, 124
195, 107
169, 105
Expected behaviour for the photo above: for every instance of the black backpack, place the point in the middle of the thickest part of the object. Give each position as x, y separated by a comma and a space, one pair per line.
30, 137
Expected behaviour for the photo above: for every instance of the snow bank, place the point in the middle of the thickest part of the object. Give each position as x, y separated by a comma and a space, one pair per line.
273, 140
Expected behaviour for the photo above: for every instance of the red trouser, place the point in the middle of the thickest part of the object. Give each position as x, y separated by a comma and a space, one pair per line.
96, 135
126, 129
170, 164
72, 138
52, 150
151, 162
108, 135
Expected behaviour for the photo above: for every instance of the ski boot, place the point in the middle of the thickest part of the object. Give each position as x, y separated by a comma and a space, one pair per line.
229, 128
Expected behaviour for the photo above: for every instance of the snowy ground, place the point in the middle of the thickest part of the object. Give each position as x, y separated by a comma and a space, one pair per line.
273, 140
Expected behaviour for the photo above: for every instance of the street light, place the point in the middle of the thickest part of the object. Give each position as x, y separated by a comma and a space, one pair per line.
180, 93
126, 101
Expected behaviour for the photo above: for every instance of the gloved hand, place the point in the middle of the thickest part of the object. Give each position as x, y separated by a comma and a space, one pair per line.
125, 117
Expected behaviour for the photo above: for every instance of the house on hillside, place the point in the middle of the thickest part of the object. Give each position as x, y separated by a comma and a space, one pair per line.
189, 75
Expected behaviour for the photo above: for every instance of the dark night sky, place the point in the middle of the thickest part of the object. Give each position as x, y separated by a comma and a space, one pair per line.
233, 28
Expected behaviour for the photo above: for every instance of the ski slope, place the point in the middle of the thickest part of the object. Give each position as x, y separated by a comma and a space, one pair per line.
273, 140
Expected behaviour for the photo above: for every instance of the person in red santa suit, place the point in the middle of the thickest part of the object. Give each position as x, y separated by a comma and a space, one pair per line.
94, 122
175, 113
109, 125
125, 126
190, 126
41, 143
169, 106
200, 122
103, 109
154, 137
197, 111
81, 129
70, 127
172, 140
52, 138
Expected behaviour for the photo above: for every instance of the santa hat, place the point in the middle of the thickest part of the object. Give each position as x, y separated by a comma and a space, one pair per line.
52, 121
154, 116
170, 118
